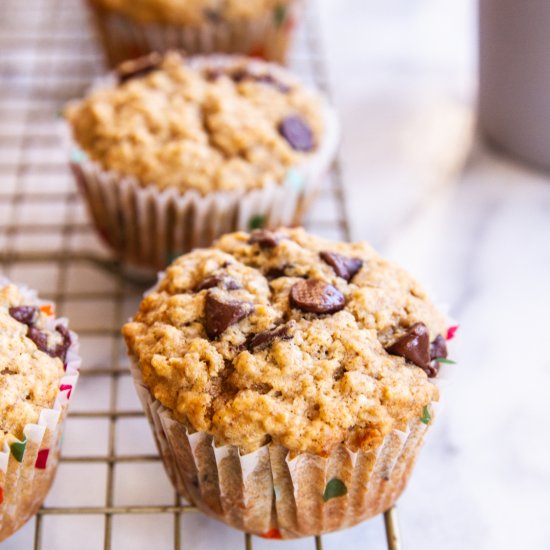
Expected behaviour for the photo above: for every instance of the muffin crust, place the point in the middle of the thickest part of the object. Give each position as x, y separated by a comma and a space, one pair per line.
173, 124
280, 371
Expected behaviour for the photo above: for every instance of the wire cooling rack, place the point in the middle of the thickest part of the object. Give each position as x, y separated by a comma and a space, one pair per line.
110, 491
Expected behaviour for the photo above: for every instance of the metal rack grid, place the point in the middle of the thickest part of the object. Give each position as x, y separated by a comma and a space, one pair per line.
48, 54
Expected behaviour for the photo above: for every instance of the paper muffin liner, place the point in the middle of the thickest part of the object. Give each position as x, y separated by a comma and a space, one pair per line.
28, 466
148, 227
267, 36
273, 494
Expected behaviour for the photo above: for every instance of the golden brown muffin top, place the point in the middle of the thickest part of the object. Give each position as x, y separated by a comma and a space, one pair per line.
31, 361
290, 338
197, 12
208, 123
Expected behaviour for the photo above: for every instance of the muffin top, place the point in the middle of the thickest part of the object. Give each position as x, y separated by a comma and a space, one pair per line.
204, 123
286, 337
196, 12
31, 361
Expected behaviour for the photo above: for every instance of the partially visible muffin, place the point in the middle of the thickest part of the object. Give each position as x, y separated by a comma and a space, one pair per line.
217, 143
31, 362
286, 340
261, 28
38, 372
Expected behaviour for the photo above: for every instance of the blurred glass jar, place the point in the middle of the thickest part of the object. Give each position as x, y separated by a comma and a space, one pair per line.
514, 77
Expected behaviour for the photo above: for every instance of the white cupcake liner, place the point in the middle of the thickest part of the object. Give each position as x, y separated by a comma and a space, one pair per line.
275, 495
27, 467
147, 227
265, 36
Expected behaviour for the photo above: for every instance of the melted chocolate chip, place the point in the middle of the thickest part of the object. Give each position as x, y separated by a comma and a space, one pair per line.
297, 133
213, 15
316, 296
61, 348
414, 347
136, 68
221, 315
267, 337
218, 280
275, 273
343, 266
438, 348
39, 338
24, 314
265, 238
239, 75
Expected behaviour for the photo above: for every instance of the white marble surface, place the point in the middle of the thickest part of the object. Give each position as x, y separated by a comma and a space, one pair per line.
473, 226
479, 237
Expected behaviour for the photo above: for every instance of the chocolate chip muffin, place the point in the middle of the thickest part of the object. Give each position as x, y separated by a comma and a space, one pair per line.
259, 28
188, 148
37, 373
285, 353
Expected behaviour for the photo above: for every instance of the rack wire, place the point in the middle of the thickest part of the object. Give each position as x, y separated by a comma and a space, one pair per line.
48, 54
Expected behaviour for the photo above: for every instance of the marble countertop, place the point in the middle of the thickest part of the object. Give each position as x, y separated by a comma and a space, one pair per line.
474, 226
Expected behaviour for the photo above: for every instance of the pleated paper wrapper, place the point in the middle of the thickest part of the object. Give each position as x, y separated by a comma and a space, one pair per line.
148, 228
271, 494
27, 467
267, 36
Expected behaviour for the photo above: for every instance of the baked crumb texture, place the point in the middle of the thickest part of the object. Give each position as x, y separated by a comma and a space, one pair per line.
174, 124
288, 338
194, 12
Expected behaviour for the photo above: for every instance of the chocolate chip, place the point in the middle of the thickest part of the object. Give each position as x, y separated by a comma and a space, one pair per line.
343, 266
61, 348
297, 133
212, 15
415, 347
316, 296
266, 338
39, 338
24, 314
275, 273
438, 348
270, 80
265, 238
218, 280
139, 67
220, 315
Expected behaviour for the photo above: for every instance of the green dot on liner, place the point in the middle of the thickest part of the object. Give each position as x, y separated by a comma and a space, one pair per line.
279, 13
256, 222
426, 416
18, 449
335, 488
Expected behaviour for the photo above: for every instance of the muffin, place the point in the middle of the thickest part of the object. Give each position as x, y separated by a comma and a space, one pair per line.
289, 380
38, 371
257, 28
178, 151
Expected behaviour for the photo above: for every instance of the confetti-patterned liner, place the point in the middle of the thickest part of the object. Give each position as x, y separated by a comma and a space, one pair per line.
268, 36
27, 467
147, 227
270, 494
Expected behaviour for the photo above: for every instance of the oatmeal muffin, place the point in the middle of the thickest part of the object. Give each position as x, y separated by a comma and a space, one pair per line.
38, 370
258, 28
180, 150
289, 379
